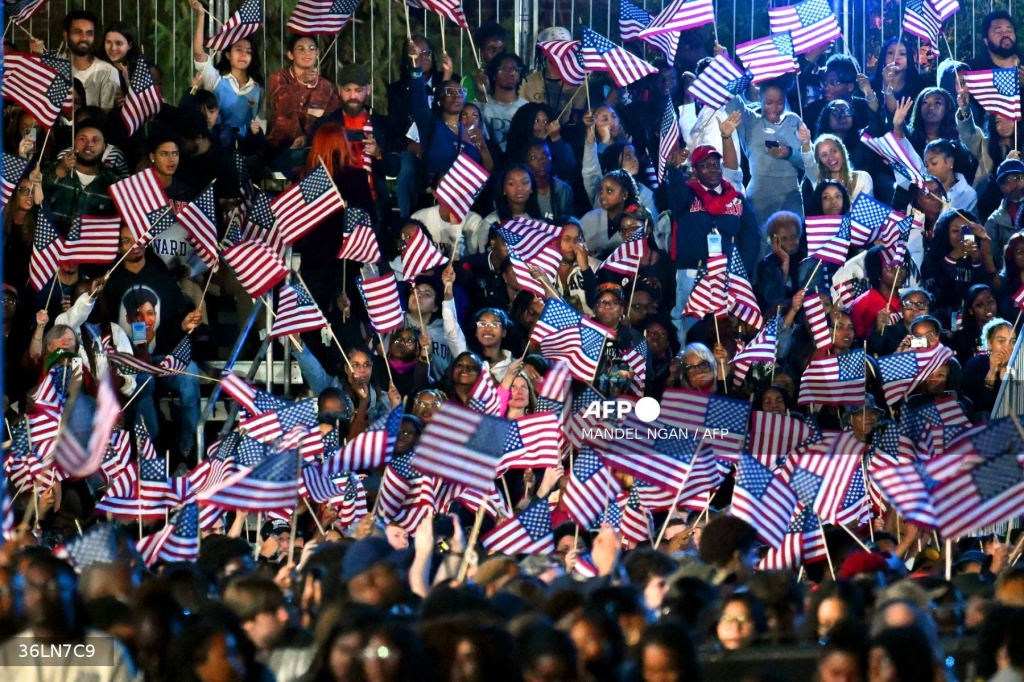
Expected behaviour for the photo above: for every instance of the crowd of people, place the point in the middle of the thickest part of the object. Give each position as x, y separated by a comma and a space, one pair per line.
320, 595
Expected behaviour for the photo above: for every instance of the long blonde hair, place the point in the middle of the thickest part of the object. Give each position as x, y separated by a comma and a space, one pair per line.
845, 174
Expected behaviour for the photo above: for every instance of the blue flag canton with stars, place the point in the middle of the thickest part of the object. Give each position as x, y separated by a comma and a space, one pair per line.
493, 436
159, 220
97, 545
55, 62
856, 491
153, 470
302, 413
249, 12
783, 43
351, 487
612, 515
806, 485
560, 315
186, 521
806, 521
46, 233
251, 452
630, 12
356, 217
886, 441
851, 365
754, 477
677, 448
727, 413
914, 421
1006, 81
20, 445
592, 342
57, 92
206, 204
899, 366
668, 119
587, 464
260, 213
344, 7
585, 398
739, 85
280, 468
736, 266
812, 11
315, 185
869, 212
14, 168
228, 446
999, 441
142, 77
182, 353
302, 296
402, 465
536, 519
593, 40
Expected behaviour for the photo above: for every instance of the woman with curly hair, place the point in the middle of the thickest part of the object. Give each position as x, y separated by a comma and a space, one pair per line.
617, 190
828, 160
934, 118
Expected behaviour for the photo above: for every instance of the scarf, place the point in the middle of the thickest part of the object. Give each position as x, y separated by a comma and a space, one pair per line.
401, 366
715, 204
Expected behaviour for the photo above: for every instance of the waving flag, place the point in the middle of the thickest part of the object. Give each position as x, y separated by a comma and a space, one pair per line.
834, 380
698, 412
371, 448
891, 149
528, 533
811, 23
531, 443
636, 359
708, 295
253, 400
564, 334
804, 543
79, 463
763, 348
13, 171
533, 241
670, 462
591, 485
463, 446
740, 293
814, 311
720, 82
460, 186
449, 9
380, 295
177, 361
769, 57
775, 435
402, 487
297, 312
821, 230
303, 206
681, 15
849, 291
668, 140
997, 91
92, 239
944, 9
578, 419
351, 503
989, 491
22, 10
907, 485
46, 249
419, 254
868, 218
273, 484
360, 242
143, 98
97, 545
484, 396
822, 481
526, 252
633, 20
600, 54
763, 499
921, 20
35, 86
314, 17
276, 423
565, 59
242, 23
636, 524
178, 541
626, 257
258, 268
903, 372
836, 249
897, 228
199, 218
143, 204
554, 388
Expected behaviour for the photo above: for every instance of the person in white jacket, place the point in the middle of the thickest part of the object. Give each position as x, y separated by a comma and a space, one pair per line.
77, 315
470, 234
447, 339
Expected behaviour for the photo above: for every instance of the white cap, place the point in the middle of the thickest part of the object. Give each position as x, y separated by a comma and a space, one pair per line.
554, 33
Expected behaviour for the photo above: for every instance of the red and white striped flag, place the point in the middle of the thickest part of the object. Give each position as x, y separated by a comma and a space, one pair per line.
462, 446
769, 57
988, 491
177, 541
532, 443
199, 218
681, 15
901, 373
600, 54
720, 82
304, 205
531, 249
772, 435
591, 486
822, 481
380, 295
143, 204
763, 348
820, 230
360, 242
528, 533
21, 11
47, 245
811, 23
565, 59
92, 239
242, 23
814, 311
297, 312
143, 98
708, 295
834, 379
313, 17
419, 255
668, 141
484, 396
763, 499
258, 268
371, 448
997, 91
35, 86
740, 293
625, 259
460, 186
273, 484
449, 9
891, 149
14, 168
804, 543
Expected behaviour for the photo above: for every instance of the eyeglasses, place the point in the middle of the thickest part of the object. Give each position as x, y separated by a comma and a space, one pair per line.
833, 82
508, 69
608, 303
483, 324
356, 365
840, 112
302, 49
739, 620
452, 92
699, 367
25, 191
709, 165
916, 305
429, 404
408, 340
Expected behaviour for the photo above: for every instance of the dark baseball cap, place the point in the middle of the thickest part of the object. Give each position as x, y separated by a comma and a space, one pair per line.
353, 73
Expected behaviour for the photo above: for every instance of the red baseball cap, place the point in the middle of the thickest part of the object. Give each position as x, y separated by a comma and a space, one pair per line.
702, 152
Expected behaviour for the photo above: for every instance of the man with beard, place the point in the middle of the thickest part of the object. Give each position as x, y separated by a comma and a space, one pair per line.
77, 183
100, 78
1000, 37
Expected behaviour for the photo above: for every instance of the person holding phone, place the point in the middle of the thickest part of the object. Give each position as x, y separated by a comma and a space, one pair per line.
958, 256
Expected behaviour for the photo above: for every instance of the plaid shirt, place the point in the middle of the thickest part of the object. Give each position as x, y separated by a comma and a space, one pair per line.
69, 198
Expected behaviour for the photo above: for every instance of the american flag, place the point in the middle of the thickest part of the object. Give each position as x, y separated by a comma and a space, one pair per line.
449, 9
849, 290
774, 435
143, 204
97, 545
740, 293
804, 543
402, 486
242, 23
118, 455
891, 149
990, 491
696, 412
763, 348
143, 98
821, 482
217, 465
419, 255
763, 499
259, 223
78, 463
463, 446
820, 230
632, 20
637, 524
360, 242
35, 86
273, 484
380, 295
297, 312
351, 504
668, 140
903, 372
769, 57
897, 228
814, 311
199, 218
319, 484
720, 82
997, 90
906, 485
258, 268
528, 227
528, 533
526, 252
869, 218
811, 23
91, 239
565, 59
312, 17
577, 419
564, 334
177, 361
921, 20
837, 247
531, 442
600, 54
591, 485
681, 15
460, 186
554, 388
708, 295
944, 9
276, 423
178, 541
253, 400
834, 379
14, 169
156, 487
372, 448
484, 396
636, 359
22, 10
7, 528
915, 421
626, 257
303, 206
46, 249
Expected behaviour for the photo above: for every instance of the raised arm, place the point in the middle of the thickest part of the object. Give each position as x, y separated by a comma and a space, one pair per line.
199, 38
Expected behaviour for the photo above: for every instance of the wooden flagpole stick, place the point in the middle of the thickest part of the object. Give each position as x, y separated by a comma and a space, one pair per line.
295, 518
259, 540
472, 45
49, 295
855, 538
508, 495
329, 330
586, 85
43, 148
30, 36
888, 303
212, 16
444, 50
679, 493
205, 289
144, 235
1017, 549
828, 555
632, 290
949, 560
471, 544
1017, 321
319, 526
408, 27
568, 104
8, 27
137, 392
813, 273
720, 365
291, 337
328, 50
387, 365
79, 527
423, 327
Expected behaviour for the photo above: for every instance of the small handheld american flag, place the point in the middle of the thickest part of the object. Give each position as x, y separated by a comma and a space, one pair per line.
460, 186
297, 312
633, 20
681, 15
14, 169
565, 58
360, 242
273, 484
35, 86
305, 205
921, 20
997, 91
528, 533
720, 82
46, 250
763, 499
462, 446
740, 293
258, 268
834, 380
449, 9
143, 204
313, 17
199, 218
669, 138
811, 23
769, 57
891, 149
600, 54
380, 295
242, 23
92, 239
143, 98
419, 254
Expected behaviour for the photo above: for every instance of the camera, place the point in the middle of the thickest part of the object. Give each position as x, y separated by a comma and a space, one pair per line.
968, 238
918, 342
